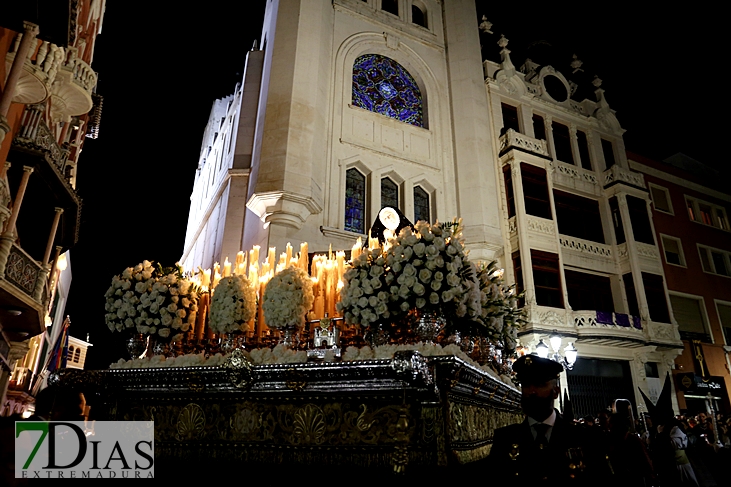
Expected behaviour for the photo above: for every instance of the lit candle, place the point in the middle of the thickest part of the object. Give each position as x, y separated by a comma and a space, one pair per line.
271, 258
319, 301
373, 243
337, 299
355, 251
304, 255
254, 274
200, 324
288, 255
254, 254
340, 259
216, 278
226, 268
206, 279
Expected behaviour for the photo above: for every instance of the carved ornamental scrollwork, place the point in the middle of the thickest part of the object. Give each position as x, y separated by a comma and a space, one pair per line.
240, 370
22, 271
617, 174
586, 246
647, 250
541, 226
412, 367
576, 173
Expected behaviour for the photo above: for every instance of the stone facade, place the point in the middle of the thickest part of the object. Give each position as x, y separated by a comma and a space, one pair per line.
290, 133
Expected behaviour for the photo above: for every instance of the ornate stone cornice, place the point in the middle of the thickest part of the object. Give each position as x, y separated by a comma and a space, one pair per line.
283, 207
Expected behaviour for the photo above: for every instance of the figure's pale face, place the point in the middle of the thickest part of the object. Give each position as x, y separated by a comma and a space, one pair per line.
389, 218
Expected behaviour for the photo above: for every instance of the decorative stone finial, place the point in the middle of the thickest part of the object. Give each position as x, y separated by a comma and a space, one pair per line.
505, 61
576, 64
485, 25
597, 81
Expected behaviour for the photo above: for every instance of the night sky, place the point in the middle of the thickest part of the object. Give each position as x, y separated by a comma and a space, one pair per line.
161, 67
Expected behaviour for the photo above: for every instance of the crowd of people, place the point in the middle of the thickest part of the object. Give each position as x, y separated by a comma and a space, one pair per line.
682, 450
611, 448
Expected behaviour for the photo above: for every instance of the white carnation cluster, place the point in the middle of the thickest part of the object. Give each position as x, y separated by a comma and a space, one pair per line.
287, 298
364, 297
233, 305
140, 299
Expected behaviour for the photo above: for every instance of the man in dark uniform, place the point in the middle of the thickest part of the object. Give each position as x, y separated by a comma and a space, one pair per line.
544, 448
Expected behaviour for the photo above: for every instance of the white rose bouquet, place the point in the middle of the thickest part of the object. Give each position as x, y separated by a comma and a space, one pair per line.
124, 296
429, 270
287, 298
364, 298
157, 302
233, 305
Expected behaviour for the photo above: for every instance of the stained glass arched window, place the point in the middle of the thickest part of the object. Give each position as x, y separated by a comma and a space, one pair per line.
355, 201
389, 193
383, 86
421, 205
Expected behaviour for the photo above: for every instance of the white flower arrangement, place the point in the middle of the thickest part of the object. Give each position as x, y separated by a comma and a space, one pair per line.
156, 302
259, 356
428, 270
501, 318
123, 296
233, 305
364, 298
287, 298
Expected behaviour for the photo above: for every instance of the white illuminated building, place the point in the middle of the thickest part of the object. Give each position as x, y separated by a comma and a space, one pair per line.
540, 179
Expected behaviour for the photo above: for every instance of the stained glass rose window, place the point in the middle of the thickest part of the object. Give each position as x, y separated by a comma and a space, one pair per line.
383, 86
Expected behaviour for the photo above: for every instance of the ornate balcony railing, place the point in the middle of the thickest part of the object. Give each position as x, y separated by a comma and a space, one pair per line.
586, 246
34, 134
515, 140
34, 85
575, 173
541, 225
607, 319
21, 380
617, 174
26, 274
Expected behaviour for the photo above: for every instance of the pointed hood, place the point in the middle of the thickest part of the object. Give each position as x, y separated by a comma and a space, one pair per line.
663, 410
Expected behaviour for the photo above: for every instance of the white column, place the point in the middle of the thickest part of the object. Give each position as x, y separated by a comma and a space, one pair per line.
52, 235
6, 98
29, 36
8, 237
574, 145
549, 136
634, 260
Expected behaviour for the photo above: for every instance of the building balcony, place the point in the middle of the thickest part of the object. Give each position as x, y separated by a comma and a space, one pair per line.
39, 72
72, 91
601, 328
34, 145
515, 140
617, 174
648, 257
587, 254
21, 380
23, 293
568, 176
